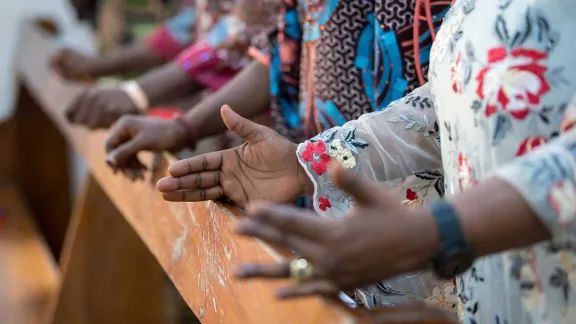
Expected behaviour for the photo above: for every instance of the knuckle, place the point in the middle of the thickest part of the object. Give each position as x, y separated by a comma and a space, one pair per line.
328, 262
126, 120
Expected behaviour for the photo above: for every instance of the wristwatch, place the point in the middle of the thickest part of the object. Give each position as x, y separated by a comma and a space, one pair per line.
454, 255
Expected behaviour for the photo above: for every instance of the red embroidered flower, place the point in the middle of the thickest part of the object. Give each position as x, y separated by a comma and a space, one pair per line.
464, 172
513, 81
324, 203
456, 75
530, 143
315, 153
411, 194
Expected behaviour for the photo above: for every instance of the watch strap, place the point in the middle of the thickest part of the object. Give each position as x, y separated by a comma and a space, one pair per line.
454, 254
448, 223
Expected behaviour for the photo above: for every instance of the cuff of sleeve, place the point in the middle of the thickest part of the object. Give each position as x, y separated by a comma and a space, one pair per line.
202, 64
164, 44
545, 179
327, 200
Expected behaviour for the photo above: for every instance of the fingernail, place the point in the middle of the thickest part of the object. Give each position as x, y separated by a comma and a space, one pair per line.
240, 271
110, 161
282, 293
243, 227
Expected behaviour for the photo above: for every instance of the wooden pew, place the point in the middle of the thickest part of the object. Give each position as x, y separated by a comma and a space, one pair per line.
120, 231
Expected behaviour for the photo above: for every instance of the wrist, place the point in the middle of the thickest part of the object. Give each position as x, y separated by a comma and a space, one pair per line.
194, 121
136, 94
426, 229
187, 133
100, 67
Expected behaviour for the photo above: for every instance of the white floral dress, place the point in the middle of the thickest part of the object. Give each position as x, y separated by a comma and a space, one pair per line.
499, 103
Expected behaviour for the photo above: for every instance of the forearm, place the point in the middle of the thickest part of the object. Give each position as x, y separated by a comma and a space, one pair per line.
137, 57
166, 83
495, 217
247, 94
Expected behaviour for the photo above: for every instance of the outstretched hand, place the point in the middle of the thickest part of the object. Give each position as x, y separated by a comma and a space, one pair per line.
74, 65
100, 108
379, 239
132, 134
265, 168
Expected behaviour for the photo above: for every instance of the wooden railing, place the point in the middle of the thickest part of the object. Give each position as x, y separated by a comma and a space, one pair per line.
119, 231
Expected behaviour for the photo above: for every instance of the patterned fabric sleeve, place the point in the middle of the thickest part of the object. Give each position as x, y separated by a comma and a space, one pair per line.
175, 34
202, 62
546, 178
385, 147
381, 147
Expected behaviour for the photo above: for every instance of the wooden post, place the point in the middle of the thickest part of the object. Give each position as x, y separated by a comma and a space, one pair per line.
109, 276
40, 167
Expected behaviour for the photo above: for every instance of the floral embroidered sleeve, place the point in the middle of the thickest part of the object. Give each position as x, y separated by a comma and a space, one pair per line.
546, 178
384, 147
175, 34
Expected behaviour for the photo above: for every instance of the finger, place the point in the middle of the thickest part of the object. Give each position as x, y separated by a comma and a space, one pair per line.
82, 111
125, 152
245, 128
365, 192
93, 115
205, 162
278, 237
73, 109
133, 173
247, 271
98, 110
199, 180
56, 62
118, 134
316, 287
287, 219
214, 193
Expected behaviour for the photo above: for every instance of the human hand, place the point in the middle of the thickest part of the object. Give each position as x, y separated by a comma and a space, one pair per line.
379, 239
265, 167
74, 65
133, 134
100, 108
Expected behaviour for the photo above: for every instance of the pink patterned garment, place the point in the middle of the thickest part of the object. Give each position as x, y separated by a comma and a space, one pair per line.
223, 32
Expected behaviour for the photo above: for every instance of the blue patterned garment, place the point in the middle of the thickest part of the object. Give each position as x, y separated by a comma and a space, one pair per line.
332, 61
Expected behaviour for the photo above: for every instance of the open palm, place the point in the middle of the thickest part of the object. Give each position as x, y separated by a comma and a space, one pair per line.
264, 168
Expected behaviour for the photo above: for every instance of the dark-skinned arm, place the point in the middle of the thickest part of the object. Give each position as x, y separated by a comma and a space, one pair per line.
166, 83
248, 93
134, 58
527, 201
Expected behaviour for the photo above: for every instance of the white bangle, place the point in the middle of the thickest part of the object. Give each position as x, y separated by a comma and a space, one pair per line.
136, 94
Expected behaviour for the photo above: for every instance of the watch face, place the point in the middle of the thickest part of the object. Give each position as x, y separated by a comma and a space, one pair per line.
448, 266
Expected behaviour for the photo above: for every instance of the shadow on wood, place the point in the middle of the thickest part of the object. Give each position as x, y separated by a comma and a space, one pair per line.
40, 168
28, 274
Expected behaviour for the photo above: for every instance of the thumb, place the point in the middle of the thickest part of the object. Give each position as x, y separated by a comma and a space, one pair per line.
366, 193
245, 128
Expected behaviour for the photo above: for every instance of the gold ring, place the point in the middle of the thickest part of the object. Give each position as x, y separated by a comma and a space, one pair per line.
301, 270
